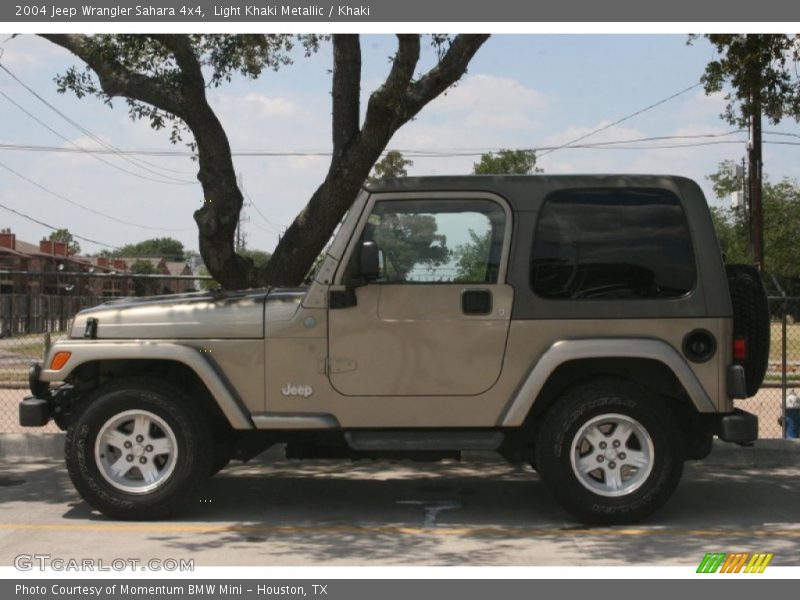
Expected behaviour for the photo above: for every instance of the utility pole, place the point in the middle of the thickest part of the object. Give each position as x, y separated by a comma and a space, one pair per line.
755, 166
241, 237
754, 172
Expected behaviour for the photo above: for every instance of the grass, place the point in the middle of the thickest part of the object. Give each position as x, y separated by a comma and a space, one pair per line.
29, 345
33, 350
13, 376
791, 378
792, 343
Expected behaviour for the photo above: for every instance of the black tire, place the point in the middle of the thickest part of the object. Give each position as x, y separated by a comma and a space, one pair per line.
162, 408
699, 446
222, 458
595, 406
750, 321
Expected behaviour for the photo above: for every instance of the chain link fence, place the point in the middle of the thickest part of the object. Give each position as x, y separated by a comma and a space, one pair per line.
783, 372
36, 308
29, 323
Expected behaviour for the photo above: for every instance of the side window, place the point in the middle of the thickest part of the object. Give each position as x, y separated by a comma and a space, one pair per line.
612, 243
437, 241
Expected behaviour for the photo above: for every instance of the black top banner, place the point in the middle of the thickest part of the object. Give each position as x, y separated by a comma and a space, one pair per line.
466, 11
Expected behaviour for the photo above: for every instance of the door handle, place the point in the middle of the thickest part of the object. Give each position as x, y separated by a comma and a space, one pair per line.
476, 302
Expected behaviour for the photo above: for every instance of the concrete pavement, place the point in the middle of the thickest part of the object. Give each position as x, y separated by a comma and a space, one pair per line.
478, 512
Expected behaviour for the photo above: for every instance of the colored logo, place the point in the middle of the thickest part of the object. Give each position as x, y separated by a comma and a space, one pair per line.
743, 562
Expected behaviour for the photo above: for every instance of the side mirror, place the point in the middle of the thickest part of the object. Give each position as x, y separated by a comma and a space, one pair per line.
369, 263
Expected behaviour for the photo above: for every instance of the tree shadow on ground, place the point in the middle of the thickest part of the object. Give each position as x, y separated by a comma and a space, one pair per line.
324, 512
40, 481
719, 509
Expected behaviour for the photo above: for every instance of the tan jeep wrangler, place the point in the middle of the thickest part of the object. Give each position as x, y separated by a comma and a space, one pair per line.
585, 325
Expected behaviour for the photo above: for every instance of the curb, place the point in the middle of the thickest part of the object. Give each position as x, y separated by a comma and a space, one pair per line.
38, 446
764, 453
771, 453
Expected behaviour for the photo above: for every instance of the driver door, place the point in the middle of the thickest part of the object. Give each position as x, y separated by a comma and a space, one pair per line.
435, 321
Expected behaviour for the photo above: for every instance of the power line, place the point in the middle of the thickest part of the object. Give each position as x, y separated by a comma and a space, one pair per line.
406, 152
85, 131
662, 146
141, 164
669, 137
622, 120
57, 149
783, 133
94, 155
165, 153
43, 224
264, 229
420, 154
258, 210
81, 206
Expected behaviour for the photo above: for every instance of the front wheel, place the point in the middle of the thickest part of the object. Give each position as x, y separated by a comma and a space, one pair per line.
609, 452
139, 450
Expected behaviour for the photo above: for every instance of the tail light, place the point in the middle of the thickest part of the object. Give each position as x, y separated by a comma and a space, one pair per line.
740, 349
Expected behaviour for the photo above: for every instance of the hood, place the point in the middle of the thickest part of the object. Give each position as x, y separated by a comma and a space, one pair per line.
236, 315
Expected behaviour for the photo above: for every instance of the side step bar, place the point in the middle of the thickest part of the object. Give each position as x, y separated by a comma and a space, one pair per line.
423, 440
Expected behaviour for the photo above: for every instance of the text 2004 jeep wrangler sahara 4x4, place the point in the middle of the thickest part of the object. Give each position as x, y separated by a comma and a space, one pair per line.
585, 325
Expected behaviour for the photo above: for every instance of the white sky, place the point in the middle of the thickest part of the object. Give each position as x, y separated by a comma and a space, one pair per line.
530, 90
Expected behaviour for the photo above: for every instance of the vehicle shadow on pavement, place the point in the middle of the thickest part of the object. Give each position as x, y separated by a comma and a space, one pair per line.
324, 512
417, 514
333, 512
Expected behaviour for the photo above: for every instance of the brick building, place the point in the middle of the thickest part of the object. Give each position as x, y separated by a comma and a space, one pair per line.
46, 261
44, 264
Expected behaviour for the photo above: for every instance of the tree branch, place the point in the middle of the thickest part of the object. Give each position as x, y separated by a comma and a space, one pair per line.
114, 79
181, 93
398, 100
390, 98
405, 61
181, 48
452, 66
390, 106
346, 90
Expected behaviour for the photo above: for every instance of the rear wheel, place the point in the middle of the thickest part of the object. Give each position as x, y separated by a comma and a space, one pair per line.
139, 450
609, 452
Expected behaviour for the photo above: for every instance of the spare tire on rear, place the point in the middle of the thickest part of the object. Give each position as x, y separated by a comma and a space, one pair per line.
750, 321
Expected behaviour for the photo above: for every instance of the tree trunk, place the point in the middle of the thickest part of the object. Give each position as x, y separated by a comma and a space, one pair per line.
218, 218
355, 148
302, 242
392, 105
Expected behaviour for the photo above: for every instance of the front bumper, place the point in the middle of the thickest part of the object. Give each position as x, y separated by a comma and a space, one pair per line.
44, 403
56, 404
34, 412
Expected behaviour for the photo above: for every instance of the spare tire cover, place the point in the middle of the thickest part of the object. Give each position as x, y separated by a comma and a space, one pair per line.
750, 321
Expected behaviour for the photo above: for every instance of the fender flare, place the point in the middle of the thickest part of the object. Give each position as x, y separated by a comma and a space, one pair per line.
570, 350
84, 352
